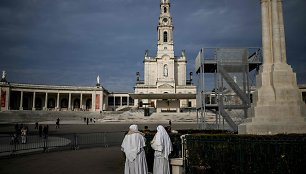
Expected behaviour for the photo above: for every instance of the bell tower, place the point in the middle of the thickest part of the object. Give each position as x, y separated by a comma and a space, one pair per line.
165, 31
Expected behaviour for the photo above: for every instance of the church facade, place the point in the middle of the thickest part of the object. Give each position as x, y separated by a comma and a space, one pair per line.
165, 85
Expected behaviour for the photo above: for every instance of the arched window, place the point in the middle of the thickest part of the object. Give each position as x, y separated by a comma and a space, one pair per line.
165, 9
165, 36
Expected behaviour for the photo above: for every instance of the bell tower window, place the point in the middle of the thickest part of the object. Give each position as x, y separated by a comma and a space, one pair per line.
165, 36
165, 9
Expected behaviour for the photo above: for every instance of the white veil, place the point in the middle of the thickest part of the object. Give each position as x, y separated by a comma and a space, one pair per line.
163, 142
132, 143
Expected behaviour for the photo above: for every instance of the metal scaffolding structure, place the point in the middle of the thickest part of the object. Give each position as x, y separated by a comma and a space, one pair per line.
225, 78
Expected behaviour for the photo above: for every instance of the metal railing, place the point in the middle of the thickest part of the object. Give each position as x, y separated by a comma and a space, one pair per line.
35, 143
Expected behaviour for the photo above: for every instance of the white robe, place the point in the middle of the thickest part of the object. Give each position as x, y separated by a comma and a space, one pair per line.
163, 147
132, 146
161, 164
138, 166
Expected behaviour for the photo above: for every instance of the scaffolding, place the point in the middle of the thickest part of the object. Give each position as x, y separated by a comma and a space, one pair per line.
225, 81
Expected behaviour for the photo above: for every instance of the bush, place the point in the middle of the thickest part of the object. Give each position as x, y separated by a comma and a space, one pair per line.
246, 153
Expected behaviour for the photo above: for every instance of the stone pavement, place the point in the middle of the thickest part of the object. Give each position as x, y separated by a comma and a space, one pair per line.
90, 161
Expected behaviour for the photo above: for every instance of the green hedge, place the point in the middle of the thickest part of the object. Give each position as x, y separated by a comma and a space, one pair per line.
245, 154
211, 151
176, 143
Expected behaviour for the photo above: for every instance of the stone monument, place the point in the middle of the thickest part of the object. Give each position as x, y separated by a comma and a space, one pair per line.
278, 106
98, 81
3, 77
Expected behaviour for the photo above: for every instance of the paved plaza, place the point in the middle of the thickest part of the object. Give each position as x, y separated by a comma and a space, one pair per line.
108, 160
90, 161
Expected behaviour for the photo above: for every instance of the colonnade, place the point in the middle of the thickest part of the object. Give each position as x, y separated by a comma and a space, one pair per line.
59, 100
125, 100
57, 106
47, 97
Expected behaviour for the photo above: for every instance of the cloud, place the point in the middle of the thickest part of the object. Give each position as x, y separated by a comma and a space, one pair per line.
73, 41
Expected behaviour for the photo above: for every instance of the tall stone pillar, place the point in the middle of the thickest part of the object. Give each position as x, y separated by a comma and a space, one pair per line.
278, 106
33, 102
57, 101
277, 56
93, 96
114, 103
81, 101
282, 30
101, 101
46, 101
21, 100
69, 102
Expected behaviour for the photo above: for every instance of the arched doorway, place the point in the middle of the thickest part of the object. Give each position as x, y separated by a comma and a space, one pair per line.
76, 103
38, 104
51, 103
88, 104
64, 103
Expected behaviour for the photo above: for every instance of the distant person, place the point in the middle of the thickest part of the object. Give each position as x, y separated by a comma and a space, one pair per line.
132, 145
14, 139
45, 131
57, 123
24, 135
36, 125
146, 129
169, 129
87, 120
162, 145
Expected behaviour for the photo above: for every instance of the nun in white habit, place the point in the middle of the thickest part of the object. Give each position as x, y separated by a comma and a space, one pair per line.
162, 145
132, 146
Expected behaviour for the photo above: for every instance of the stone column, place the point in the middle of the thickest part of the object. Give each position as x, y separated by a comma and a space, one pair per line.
21, 101
128, 101
33, 104
46, 101
278, 106
282, 30
277, 54
114, 103
81, 101
101, 101
264, 79
57, 101
120, 100
93, 105
266, 32
69, 102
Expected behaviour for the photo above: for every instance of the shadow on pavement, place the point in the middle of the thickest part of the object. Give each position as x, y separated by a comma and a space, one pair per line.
90, 161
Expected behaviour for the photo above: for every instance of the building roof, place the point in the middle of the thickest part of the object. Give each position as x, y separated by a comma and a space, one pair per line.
163, 96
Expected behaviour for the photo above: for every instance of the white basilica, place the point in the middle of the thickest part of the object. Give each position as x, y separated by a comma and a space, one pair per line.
165, 86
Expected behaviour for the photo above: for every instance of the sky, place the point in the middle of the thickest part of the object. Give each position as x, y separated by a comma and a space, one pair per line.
71, 42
